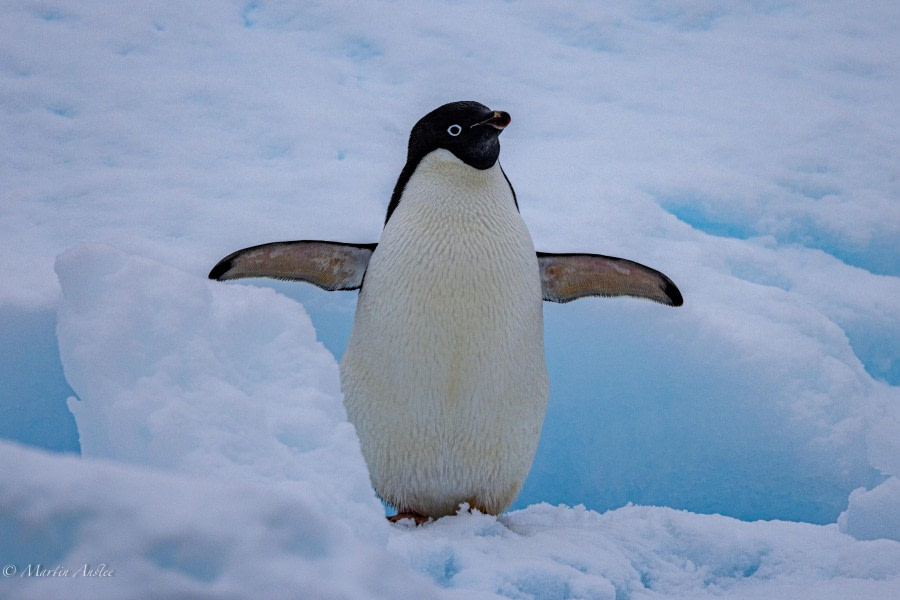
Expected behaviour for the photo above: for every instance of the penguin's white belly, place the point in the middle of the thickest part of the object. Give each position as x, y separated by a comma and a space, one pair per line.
444, 375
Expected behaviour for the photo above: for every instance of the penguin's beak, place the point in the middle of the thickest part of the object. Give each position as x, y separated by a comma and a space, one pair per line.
497, 120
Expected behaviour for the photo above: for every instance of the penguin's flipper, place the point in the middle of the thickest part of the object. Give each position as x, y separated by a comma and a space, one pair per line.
567, 277
329, 265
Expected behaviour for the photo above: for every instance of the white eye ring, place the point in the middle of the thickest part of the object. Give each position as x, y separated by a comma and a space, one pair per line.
454, 130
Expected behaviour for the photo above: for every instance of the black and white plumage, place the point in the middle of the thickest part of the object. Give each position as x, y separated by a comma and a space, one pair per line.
444, 375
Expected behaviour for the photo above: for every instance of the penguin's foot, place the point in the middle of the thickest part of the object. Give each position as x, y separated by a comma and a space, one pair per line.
416, 517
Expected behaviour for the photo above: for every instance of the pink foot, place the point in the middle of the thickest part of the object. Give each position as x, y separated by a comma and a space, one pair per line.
416, 517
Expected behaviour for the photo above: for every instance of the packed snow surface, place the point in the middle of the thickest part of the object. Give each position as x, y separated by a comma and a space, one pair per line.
166, 535
748, 150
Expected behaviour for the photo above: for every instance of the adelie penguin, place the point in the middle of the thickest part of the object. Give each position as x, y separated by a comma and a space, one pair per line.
444, 375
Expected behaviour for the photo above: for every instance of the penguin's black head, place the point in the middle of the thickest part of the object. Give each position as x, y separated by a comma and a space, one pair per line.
469, 130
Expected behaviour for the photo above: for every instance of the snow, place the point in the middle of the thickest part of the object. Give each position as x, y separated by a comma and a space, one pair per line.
178, 372
873, 514
637, 552
749, 151
167, 535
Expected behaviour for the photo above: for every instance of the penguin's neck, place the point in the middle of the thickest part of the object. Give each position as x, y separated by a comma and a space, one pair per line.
444, 188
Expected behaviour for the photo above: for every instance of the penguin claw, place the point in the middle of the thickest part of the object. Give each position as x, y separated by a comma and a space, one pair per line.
416, 518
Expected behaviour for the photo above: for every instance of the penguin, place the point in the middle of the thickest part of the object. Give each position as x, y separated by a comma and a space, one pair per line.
444, 376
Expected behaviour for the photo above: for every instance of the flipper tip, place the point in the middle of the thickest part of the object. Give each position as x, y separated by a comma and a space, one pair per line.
222, 267
674, 294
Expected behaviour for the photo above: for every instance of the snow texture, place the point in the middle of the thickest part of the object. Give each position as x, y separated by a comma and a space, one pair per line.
256, 486
873, 514
747, 150
167, 535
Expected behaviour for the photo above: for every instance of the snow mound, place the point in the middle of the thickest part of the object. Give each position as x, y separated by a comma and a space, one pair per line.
875, 513
169, 535
177, 372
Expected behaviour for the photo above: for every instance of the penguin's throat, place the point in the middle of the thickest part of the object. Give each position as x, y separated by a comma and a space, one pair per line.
444, 179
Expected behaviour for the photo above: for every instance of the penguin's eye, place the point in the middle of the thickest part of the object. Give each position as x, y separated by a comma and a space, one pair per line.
454, 130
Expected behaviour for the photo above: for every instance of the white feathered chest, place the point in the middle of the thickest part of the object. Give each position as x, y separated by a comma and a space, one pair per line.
444, 376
